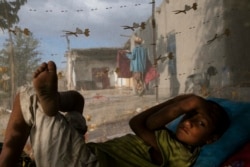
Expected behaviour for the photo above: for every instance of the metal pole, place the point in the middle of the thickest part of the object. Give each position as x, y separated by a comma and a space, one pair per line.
68, 42
154, 47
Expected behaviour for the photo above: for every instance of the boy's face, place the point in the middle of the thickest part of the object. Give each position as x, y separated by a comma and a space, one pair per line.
195, 129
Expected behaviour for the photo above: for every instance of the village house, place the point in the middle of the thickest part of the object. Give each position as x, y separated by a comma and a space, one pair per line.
91, 69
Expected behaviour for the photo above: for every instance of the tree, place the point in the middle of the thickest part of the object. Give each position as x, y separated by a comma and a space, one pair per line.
8, 13
26, 56
9, 17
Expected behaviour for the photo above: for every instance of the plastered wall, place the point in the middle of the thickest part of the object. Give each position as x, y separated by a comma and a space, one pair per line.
215, 34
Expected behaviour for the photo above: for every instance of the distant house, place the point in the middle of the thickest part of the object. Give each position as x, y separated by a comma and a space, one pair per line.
91, 69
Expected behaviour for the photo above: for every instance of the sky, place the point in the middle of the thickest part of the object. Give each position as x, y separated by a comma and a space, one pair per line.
48, 19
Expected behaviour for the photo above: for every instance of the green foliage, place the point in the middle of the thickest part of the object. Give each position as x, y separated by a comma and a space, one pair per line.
8, 13
26, 56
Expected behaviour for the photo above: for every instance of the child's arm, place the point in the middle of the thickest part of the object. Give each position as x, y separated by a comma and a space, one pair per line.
16, 135
179, 106
155, 118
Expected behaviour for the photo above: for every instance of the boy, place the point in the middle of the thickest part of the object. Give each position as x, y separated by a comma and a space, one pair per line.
56, 143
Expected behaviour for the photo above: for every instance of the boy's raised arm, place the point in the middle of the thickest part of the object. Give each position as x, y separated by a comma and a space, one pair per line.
175, 108
155, 118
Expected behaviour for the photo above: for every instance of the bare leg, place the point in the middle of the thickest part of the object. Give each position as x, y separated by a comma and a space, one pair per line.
17, 133
45, 84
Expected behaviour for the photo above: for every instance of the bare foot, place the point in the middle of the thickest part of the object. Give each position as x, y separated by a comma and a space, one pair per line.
45, 84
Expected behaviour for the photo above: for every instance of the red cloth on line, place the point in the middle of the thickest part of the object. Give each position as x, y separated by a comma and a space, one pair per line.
123, 65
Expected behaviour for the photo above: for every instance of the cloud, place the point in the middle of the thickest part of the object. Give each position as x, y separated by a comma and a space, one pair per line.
48, 18
54, 16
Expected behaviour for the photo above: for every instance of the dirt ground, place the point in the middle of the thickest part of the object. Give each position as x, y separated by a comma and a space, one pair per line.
107, 112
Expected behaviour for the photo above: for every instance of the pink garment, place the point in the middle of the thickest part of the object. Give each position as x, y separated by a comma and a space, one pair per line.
151, 74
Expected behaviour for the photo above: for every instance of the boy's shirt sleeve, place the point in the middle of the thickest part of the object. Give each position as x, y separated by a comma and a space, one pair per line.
174, 153
125, 151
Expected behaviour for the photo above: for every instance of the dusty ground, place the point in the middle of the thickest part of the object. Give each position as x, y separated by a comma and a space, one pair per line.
107, 112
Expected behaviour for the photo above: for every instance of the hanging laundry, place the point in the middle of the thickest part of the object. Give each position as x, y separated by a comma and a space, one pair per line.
151, 75
123, 65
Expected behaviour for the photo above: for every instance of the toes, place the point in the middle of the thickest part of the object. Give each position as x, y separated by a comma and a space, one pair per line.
51, 66
40, 69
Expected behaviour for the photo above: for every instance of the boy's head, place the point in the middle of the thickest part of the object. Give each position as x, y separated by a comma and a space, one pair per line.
219, 117
203, 126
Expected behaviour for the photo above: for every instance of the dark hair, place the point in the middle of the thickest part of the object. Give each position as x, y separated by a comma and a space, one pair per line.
219, 117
